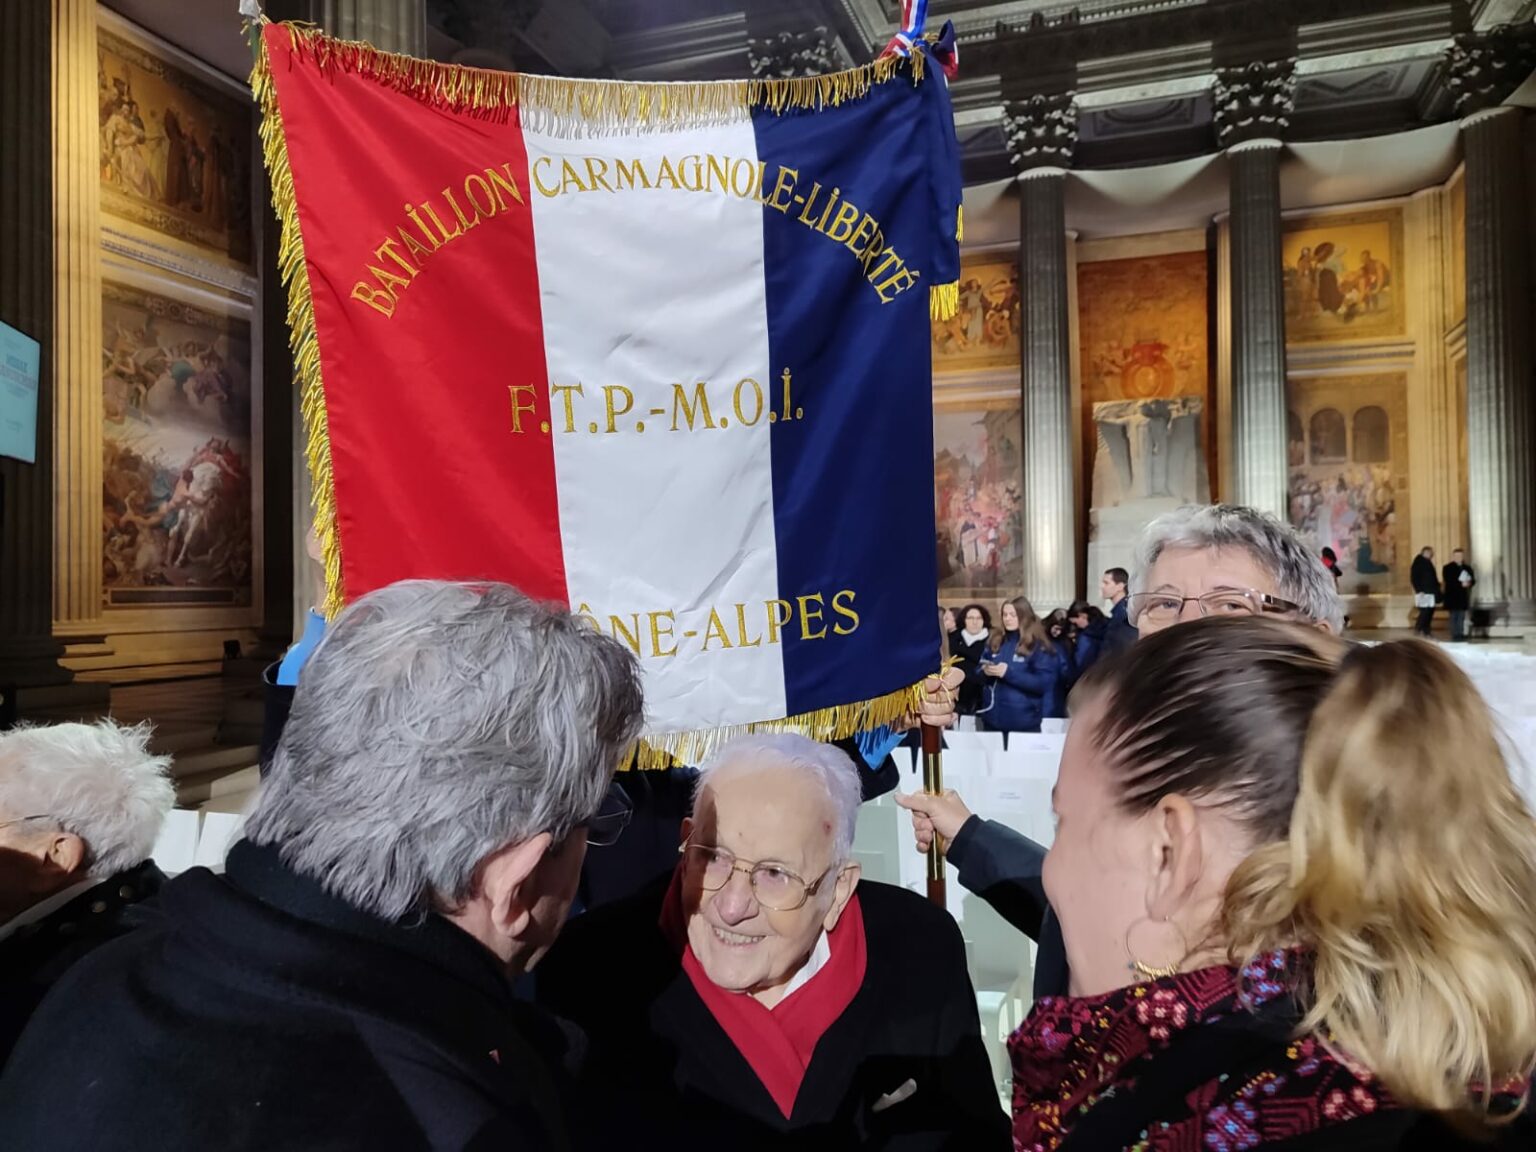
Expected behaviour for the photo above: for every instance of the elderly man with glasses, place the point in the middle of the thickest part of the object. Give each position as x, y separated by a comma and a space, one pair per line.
80, 808
348, 981
1218, 560
764, 996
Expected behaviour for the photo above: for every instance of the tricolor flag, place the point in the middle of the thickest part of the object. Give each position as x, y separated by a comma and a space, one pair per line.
658, 352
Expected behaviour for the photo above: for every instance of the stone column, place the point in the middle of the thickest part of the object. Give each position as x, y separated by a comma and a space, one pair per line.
1433, 437
390, 25
1501, 436
28, 653
1042, 133
1253, 106
77, 578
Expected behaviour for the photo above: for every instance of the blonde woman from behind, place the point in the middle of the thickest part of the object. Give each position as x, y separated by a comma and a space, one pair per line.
1295, 884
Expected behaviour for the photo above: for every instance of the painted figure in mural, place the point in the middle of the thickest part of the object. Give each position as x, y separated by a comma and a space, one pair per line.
125, 139
178, 180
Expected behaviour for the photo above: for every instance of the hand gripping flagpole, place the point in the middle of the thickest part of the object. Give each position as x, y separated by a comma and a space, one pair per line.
933, 784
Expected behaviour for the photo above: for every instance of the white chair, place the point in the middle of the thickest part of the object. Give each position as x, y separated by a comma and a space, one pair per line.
219, 831
176, 847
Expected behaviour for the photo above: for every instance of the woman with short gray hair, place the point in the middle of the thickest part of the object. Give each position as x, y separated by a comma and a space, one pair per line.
348, 981
1220, 560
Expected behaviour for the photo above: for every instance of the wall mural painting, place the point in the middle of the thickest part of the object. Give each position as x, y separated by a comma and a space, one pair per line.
177, 484
1144, 331
978, 470
1348, 451
984, 333
1343, 276
175, 151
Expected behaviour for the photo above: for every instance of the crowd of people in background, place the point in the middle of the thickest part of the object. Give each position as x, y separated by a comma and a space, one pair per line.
1020, 668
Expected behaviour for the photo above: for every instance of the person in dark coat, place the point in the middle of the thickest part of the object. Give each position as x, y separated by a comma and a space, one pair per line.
1089, 625
1120, 633
1458, 579
1028, 675
347, 982
764, 997
81, 806
968, 646
1426, 590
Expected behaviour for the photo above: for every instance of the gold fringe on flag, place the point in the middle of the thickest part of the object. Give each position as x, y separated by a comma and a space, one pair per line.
839, 723
960, 224
597, 105
301, 331
944, 300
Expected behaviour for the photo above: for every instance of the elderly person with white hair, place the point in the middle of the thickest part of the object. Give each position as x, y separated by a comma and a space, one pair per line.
347, 982
765, 996
80, 808
1216, 560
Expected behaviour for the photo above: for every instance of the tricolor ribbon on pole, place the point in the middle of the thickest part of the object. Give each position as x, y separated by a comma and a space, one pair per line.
656, 352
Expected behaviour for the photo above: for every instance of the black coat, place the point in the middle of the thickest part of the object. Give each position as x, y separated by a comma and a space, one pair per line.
1120, 633
263, 1014
33, 959
1422, 573
973, 688
1457, 597
668, 1077
1003, 868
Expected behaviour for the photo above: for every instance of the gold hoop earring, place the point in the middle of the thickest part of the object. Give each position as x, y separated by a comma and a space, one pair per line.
1155, 971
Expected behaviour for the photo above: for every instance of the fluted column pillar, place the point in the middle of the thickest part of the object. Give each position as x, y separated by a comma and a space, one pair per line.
1501, 462
1042, 133
77, 578
28, 653
1433, 437
1253, 106
1501, 435
391, 25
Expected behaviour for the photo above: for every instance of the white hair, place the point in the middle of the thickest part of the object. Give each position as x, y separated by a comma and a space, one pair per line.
1274, 546
96, 781
829, 766
436, 724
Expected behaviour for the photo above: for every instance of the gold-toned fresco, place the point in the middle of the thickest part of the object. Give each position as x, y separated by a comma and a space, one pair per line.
1343, 276
984, 332
175, 150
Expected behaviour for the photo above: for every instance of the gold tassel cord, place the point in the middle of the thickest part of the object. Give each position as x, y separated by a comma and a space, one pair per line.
838, 723
944, 300
301, 330
594, 104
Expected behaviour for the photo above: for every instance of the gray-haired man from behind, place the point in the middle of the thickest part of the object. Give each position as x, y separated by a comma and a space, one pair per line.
348, 981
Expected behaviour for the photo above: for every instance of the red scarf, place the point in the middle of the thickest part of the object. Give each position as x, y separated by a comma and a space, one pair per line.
778, 1042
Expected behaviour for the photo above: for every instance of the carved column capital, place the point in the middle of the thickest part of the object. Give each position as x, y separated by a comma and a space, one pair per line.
1254, 102
812, 52
1041, 131
1483, 68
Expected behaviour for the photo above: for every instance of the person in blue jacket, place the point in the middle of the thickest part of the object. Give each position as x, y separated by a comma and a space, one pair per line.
1028, 673
1089, 626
